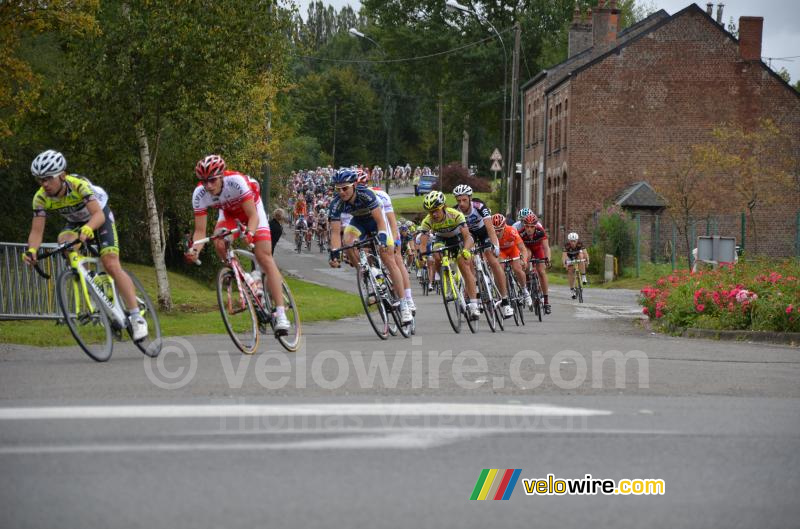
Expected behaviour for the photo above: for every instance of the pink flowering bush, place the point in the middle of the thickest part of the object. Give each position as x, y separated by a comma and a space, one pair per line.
754, 295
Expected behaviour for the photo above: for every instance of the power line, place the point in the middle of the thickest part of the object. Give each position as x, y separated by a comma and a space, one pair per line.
406, 59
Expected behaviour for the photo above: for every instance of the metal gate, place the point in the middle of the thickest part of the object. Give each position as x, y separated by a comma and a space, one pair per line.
23, 293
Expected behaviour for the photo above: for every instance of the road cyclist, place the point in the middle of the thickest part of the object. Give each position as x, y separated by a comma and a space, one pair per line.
479, 221
449, 227
85, 208
534, 237
238, 199
574, 253
366, 218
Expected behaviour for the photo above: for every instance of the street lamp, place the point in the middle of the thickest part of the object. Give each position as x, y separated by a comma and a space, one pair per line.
453, 6
386, 99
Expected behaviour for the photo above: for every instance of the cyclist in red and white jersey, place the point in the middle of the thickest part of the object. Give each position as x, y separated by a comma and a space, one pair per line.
237, 196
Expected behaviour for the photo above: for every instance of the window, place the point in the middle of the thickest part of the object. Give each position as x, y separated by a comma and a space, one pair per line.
566, 121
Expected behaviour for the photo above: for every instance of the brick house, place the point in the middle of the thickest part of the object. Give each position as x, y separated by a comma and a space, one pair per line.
596, 124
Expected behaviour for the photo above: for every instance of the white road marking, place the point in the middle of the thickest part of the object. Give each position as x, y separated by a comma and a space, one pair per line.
378, 438
290, 410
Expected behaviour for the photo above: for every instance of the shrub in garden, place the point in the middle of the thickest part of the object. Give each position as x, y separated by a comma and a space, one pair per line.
614, 234
455, 174
754, 295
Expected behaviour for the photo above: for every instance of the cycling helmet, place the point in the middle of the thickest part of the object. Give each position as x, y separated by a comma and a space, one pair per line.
403, 227
433, 200
462, 189
499, 221
572, 236
361, 177
345, 176
530, 220
524, 212
210, 166
48, 163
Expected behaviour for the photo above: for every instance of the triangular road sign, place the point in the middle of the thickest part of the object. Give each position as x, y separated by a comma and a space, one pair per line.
496, 156
496, 166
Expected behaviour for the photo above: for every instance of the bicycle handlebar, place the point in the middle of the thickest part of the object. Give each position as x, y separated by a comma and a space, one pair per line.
504, 261
41, 254
439, 250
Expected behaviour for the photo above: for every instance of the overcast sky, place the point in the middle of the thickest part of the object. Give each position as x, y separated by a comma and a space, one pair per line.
781, 23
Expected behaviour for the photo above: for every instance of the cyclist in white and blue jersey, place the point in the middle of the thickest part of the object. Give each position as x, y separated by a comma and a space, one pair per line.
367, 219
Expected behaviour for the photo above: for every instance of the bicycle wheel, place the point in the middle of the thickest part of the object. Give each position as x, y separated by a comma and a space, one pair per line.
496, 301
373, 305
151, 345
486, 299
86, 318
513, 296
238, 311
536, 294
579, 290
450, 298
289, 341
472, 324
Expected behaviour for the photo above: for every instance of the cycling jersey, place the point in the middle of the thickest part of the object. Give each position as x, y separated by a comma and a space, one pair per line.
478, 211
300, 208
236, 190
72, 206
573, 251
361, 205
509, 241
386, 202
449, 226
536, 238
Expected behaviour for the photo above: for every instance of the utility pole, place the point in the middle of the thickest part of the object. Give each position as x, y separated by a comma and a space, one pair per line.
441, 141
512, 196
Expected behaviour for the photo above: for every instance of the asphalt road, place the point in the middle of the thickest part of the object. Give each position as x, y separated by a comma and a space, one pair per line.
353, 431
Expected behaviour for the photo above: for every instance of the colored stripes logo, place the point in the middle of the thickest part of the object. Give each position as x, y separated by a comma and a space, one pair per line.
495, 484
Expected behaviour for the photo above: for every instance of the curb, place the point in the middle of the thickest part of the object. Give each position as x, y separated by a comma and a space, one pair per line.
785, 338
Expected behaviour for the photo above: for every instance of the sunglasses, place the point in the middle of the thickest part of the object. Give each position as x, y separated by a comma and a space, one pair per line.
343, 188
209, 180
43, 179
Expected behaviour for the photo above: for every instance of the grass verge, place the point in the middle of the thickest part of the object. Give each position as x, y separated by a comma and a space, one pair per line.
196, 310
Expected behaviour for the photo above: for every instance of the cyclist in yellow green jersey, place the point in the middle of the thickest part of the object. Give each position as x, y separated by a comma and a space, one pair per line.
85, 208
449, 227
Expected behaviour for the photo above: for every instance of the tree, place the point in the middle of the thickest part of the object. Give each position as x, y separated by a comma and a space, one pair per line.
686, 185
758, 161
195, 76
19, 85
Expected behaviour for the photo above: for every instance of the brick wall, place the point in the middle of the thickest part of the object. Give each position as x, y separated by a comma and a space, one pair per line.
670, 87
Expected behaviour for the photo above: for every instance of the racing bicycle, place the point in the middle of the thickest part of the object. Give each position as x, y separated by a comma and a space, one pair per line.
92, 307
515, 295
247, 310
376, 291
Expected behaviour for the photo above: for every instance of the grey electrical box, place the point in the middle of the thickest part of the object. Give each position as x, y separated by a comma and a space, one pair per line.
716, 249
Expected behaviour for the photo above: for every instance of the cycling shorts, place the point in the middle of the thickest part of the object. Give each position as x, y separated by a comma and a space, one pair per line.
363, 227
509, 253
536, 250
105, 235
480, 236
229, 223
457, 242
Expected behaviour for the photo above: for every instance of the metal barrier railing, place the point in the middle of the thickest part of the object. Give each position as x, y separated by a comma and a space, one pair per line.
24, 294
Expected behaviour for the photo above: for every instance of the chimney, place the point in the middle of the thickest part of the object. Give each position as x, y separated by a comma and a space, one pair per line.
580, 33
750, 29
719, 13
604, 25
710, 9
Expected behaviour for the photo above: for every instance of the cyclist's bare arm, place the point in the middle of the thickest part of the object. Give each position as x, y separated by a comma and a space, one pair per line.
249, 208
34, 238
98, 217
468, 242
336, 238
200, 223
377, 214
523, 251
546, 246
487, 222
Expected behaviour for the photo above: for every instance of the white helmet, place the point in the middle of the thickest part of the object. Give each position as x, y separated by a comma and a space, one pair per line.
48, 163
462, 189
572, 236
